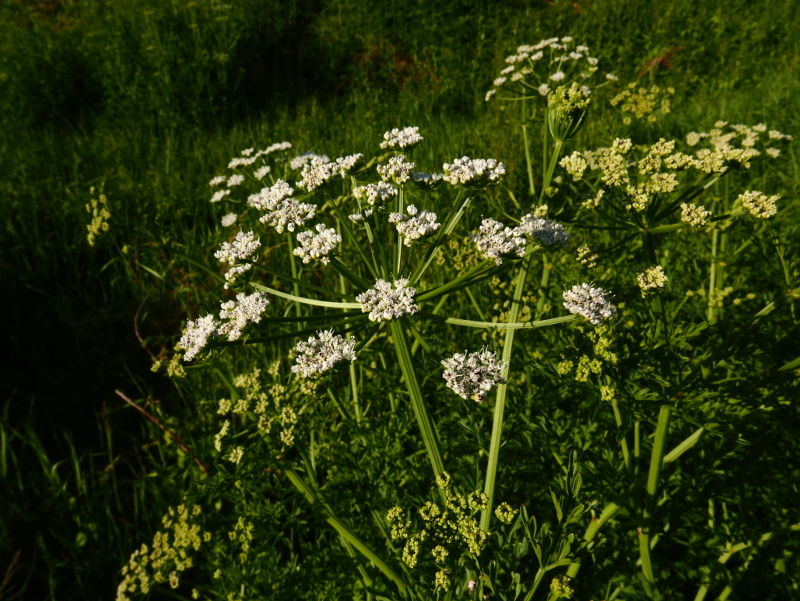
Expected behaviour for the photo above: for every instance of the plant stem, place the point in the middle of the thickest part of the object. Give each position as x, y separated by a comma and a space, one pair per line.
712, 281
500, 402
546, 268
424, 420
295, 286
531, 184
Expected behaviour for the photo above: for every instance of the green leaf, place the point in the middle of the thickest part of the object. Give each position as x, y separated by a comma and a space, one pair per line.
577, 483
557, 505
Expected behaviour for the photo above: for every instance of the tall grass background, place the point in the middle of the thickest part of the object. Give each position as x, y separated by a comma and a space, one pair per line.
146, 101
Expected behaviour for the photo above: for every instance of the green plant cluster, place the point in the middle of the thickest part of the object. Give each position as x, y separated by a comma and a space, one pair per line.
651, 457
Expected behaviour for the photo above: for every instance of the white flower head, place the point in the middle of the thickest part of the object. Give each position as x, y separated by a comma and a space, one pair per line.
611, 77
592, 303
415, 225
494, 240
238, 313
278, 147
240, 161
321, 353
375, 194
473, 375
229, 219
348, 164
316, 173
306, 157
386, 301
216, 181
289, 215
398, 170
317, 247
499, 81
196, 335
545, 231
473, 172
651, 280
557, 76
269, 198
426, 181
401, 138
242, 247
262, 172
219, 195
544, 89
489, 94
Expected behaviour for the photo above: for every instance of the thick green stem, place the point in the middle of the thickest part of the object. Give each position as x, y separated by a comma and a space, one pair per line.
424, 420
500, 402
653, 479
531, 184
545, 281
626, 455
399, 240
295, 286
712, 280
549, 175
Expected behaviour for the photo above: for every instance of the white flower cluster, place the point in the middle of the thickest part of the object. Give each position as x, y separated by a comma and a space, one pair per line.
592, 303
288, 215
375, 194
694, 215
426, 181
318, 171
306, 157
269, 198
229, 219
317, 246
196, 335
277, 147
401, 138
651, 279
219, 195
359, 217
321, 353
569, 64
349, 163
244, 245
234, 180
758, 204
216, 181
241, 161
473, 172
398, 170
262, 172
546, 231
575, 165
494, 240
415, 225
472, 376
386, 301
245, 309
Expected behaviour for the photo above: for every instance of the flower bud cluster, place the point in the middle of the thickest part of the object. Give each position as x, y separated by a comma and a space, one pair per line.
472, 376
575, 165
303, 159
321, 353
415, 225
591, 303
386, 301
651, 280
694, 215
758, 204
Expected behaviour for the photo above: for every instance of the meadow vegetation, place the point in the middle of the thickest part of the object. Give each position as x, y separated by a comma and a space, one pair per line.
659, 446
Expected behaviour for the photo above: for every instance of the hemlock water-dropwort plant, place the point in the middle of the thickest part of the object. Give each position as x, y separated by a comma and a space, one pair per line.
389, 267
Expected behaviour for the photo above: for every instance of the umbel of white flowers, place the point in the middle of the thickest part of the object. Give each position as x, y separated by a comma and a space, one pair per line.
473, 376
321, 353
590, 302
386, 301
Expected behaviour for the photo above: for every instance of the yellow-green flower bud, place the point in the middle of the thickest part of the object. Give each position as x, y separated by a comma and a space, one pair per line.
567, 108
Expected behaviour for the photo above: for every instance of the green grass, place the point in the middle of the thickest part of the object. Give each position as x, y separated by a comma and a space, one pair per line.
136, 99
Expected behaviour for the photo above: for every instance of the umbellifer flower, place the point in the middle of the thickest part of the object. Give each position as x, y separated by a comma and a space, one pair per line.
321, 353
196, 335
387, 301
405, 138
495, 240
590, 302
472, 376
317, 246
651, 279
758, 204
245, 309
546, 231
415, 225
